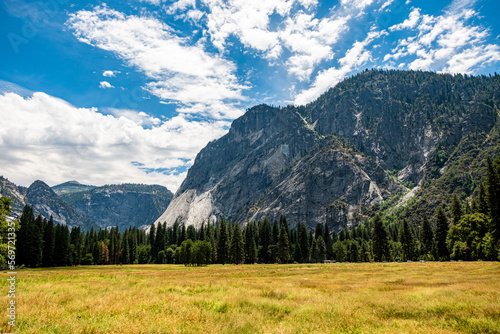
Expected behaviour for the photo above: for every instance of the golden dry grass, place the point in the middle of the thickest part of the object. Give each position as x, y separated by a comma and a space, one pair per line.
428, 297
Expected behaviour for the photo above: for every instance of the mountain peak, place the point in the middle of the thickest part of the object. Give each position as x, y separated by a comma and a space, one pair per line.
339, 157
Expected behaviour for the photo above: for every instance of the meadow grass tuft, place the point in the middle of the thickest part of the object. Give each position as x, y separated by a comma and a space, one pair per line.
457, 297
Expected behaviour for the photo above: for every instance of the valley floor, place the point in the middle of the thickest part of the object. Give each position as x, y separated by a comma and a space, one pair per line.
432, 297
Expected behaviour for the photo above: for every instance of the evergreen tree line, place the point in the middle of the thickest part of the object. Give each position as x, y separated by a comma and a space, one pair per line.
41, 243
473, 233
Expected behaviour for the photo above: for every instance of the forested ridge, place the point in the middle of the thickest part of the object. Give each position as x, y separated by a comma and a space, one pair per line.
350, 153
469, 231
349, 160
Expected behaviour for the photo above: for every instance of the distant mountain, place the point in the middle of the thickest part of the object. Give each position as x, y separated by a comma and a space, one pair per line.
353, 152
74, 204
71, 187
48, 203
16, 193
117, 205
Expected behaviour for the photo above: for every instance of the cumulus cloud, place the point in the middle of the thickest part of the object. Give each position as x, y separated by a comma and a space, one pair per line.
109, 74
43, 137
105, 84
309, 39
353, 59
178, 71
138, 117
248, 20
409, 23
286, 30
446, 43
356, 4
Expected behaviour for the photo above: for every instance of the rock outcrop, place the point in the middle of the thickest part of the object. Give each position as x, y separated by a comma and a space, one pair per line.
333, 160
75, 204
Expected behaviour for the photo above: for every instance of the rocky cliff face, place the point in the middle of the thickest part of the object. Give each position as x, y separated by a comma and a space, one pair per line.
330, 184
46, 202
337, 158
14, 192
75, 204
120, 205
231, 172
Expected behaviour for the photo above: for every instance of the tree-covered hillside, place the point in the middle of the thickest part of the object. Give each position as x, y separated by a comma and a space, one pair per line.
356, 150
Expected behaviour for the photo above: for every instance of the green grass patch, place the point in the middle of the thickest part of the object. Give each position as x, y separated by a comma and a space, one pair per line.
459, 297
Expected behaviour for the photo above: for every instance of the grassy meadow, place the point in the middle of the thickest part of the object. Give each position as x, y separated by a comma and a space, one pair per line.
454, 297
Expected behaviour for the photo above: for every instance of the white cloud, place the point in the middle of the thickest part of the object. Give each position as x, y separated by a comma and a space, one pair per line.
356, 4
308, 39
109, 74
181, 5
444, 43
386, 4
245, 20
311, 41
138, 117
105, 84
46, 138
353, 59
153, 2
409, 23
178, 70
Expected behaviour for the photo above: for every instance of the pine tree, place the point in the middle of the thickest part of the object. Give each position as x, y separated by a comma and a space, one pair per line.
112, 247
62, 255
318, 231
297, 255
314, 251
26, 222
442, 228
283, 222
182, 234
343, 235
175, 233
328, 242
406, 240
493, 190
94, 246
353, 251
77, 242
236, 248
104, 253
126, 248
157, 246
191, 233
427, 236
35, 244
456, 209
210, 233
49, 243
303, 243
482, 202
265, 238
380, 240
152, 235
250, 245
321, 248
202, 235
134, 250
223, 243
276, 232
283, 246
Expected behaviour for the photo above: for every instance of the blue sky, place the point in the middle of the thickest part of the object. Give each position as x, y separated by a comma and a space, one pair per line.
130, 91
